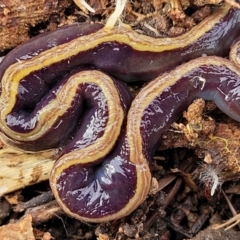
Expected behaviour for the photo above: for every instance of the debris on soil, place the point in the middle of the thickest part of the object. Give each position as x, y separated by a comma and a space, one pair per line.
20, 21
220, 234
192, 188
22, 230
217, 142
164, 18
17, 17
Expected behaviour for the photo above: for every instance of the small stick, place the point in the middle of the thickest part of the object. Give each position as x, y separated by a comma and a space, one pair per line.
20, 169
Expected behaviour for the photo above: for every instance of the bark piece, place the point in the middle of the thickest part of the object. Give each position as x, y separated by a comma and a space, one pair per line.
21, 230
21, 169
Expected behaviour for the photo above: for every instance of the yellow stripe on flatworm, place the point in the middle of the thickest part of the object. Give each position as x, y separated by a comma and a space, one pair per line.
135, 144
234, 54
90, 155
140, 104
96, 151
153, 90
57, 107
140, 194
17, 71
112, 130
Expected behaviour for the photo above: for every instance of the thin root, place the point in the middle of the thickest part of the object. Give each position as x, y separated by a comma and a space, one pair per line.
120, 5
229, 224
82, 4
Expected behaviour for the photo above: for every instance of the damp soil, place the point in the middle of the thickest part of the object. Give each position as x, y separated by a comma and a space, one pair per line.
180, 204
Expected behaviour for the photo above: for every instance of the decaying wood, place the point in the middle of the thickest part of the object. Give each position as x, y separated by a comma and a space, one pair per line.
45, 212
20, 169
21, 230
16, 17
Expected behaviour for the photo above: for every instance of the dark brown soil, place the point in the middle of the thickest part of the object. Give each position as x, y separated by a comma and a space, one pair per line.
180, 205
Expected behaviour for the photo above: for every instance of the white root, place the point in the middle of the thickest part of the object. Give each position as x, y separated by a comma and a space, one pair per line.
81, 3
120, 4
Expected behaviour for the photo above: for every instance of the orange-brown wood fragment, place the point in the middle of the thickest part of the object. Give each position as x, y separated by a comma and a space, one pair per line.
21, 230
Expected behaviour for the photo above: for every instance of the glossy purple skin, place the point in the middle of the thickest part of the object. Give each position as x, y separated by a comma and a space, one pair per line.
89, 104
78, 141
45, 41
94, 191
97, 191
91, 189
126, 64
221, 86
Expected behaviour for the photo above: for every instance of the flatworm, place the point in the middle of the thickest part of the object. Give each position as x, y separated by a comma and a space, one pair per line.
55, 93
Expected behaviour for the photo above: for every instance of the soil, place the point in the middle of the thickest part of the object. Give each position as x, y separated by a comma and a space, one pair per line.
204, 142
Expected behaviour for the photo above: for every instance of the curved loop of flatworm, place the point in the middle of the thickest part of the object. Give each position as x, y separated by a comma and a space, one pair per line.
84, 112
124, 173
